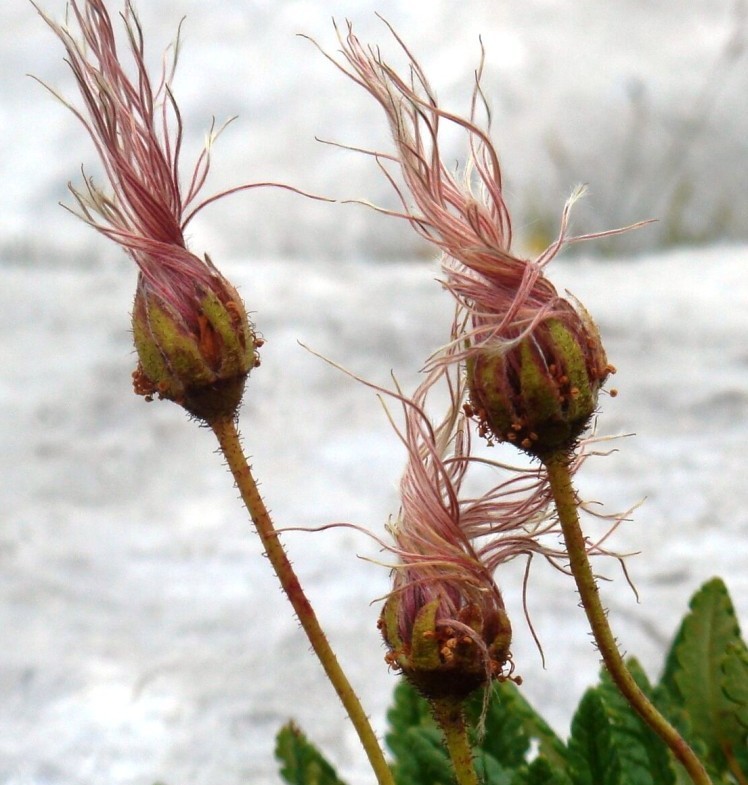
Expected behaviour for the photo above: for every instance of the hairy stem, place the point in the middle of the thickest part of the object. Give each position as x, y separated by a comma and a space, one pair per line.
559, 475
450, 717
228, 438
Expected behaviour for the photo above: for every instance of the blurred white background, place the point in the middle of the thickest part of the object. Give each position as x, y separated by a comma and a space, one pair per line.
144, 637
644, 102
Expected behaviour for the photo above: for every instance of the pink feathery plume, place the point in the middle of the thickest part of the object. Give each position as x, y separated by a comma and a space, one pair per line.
535, 360
136, 127
449, 546
469, 220
194, 341
137, 130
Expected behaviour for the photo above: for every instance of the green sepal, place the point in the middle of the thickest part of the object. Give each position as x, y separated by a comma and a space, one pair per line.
424, 644
390, 623
237, 355
485, 375
540, 399
500, 645
582, 404
150, 357
177, 346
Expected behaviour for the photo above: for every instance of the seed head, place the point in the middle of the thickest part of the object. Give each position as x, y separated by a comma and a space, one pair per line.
194, 341
200, 357
445, 623
534, 359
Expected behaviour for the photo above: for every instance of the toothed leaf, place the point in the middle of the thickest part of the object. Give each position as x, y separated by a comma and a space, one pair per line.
535, 727
424, 760
415, 742
735, 685
694, 677
504, 737
409, 710
644, 757
301, 762
490, 771
591, 753
605, 747
735, 680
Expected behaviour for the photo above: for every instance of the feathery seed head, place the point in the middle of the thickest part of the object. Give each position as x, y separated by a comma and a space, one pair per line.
194, 341
198, 356
534, 359
444, 622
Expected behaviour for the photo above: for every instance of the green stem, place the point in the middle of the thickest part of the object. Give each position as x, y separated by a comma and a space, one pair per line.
451, 719
559, 475
734, 766
228, 438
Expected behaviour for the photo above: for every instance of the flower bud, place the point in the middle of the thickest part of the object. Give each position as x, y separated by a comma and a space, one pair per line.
197, 355
540, 394
194, 341
444, 659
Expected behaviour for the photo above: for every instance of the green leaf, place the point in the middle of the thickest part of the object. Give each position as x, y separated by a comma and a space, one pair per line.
419, 756
504, 737
490, 771
610, 746
541, 772
735, 680
591, 755
302, 763
735, 685
535, 727
694, 679
511, 727
409, 711
643, 756
424, 760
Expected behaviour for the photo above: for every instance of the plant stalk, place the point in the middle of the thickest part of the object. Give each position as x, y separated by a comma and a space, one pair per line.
450, 717
228, 437
559, 475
